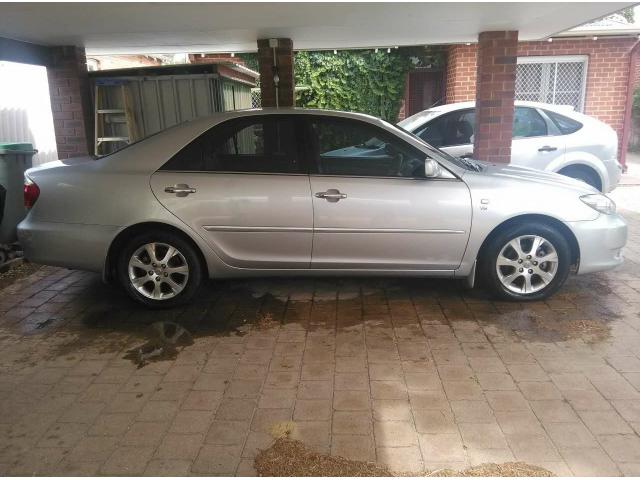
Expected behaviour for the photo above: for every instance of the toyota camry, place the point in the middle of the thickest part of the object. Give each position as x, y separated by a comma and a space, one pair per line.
311, 192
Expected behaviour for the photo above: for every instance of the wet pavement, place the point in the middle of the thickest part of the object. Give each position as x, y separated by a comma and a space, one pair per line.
411, 373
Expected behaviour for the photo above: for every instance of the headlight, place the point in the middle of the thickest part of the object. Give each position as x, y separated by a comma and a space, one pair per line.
599, 202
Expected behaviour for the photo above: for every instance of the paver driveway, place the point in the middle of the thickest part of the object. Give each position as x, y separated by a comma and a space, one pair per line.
408, 372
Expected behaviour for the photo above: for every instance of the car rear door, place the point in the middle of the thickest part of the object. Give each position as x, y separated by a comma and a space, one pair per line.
243, 188
373, 206
535, 143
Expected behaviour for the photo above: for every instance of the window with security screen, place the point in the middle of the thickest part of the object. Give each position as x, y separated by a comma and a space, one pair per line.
556, 80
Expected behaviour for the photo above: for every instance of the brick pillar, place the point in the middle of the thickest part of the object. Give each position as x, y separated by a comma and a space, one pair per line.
284, 65
461, 73
70, 101
495, 92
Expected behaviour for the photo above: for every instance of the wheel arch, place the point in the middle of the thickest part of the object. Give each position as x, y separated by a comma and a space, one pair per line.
586, 168
527, 218
109, 271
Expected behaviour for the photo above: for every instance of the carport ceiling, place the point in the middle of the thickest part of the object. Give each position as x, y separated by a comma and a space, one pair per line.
109, 28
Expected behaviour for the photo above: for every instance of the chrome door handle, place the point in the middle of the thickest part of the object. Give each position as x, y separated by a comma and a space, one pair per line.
331, 195
181, 190
547, 148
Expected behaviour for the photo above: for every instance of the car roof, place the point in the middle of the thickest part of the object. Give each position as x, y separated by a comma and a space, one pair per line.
416, 120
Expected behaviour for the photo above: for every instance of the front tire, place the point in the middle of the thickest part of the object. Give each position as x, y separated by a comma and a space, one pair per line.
159, 269
526, 262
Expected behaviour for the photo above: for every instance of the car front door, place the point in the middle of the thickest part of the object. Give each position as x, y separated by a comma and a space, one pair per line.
373, 206
242, 187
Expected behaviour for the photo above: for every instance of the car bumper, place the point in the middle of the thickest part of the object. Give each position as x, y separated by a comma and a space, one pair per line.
600, 242
70, 245
614, 171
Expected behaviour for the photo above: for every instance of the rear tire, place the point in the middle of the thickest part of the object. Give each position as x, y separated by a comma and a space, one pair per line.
159, 269
525, 262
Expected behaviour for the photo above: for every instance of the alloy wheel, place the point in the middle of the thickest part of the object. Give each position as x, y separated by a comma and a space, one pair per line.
158, 271
527, 264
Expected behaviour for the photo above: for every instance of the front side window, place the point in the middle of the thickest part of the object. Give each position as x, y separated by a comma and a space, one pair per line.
249, 145
352, 148
527, 122
450, 129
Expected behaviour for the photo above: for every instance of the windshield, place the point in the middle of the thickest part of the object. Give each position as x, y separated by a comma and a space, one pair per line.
415, 121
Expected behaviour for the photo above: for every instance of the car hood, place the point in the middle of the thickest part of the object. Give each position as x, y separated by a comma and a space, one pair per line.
519, 174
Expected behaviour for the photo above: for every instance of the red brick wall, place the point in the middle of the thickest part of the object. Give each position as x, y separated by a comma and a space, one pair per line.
607, 73
495, 88
461, 73
70, 102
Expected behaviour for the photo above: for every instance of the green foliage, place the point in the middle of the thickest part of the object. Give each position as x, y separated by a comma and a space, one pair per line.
636, 102
358, 81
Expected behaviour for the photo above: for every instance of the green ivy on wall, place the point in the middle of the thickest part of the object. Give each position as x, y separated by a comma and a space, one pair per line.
359, 81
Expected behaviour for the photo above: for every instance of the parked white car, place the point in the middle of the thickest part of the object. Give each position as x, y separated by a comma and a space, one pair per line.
546, 137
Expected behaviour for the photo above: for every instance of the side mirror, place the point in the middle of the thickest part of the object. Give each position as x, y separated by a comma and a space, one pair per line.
431, 168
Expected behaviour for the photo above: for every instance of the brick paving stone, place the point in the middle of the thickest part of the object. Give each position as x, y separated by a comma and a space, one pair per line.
351, 400
434, 421
191, 421
590, 462
442, 447
354, 447
312, 433
217, 459
127, 461
224, 432
351, 423
605, 422
179, 447
399, 410
395, 434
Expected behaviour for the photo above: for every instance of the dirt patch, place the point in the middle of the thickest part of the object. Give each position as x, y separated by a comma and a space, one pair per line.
291, 458
16, 271
588, 330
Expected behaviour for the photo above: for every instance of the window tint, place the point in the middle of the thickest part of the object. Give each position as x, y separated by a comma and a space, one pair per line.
455, 128
565, 125
251, 144
527, 122
348, 147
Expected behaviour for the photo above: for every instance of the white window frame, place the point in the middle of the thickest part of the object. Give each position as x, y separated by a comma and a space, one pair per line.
584, 59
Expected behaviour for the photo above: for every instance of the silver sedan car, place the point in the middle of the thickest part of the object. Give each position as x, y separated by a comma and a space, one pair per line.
311, 192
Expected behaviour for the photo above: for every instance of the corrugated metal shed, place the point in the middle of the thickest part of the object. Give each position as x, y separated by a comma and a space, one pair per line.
147, 100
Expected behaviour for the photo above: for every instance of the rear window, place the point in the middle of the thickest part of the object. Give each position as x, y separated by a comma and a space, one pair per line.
566, 125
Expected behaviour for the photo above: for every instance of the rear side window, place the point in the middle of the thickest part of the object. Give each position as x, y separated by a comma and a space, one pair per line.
527, 122
265, 144
566, 125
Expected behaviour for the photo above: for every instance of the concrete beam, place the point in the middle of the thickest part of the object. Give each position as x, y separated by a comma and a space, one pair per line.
23, 52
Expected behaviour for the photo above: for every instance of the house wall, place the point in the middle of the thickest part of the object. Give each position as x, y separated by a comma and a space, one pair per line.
607, 73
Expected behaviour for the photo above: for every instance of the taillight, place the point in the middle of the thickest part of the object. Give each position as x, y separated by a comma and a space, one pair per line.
31, 192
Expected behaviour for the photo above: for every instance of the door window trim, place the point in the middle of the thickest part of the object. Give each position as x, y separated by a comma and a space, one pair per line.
312, 155
298, 134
